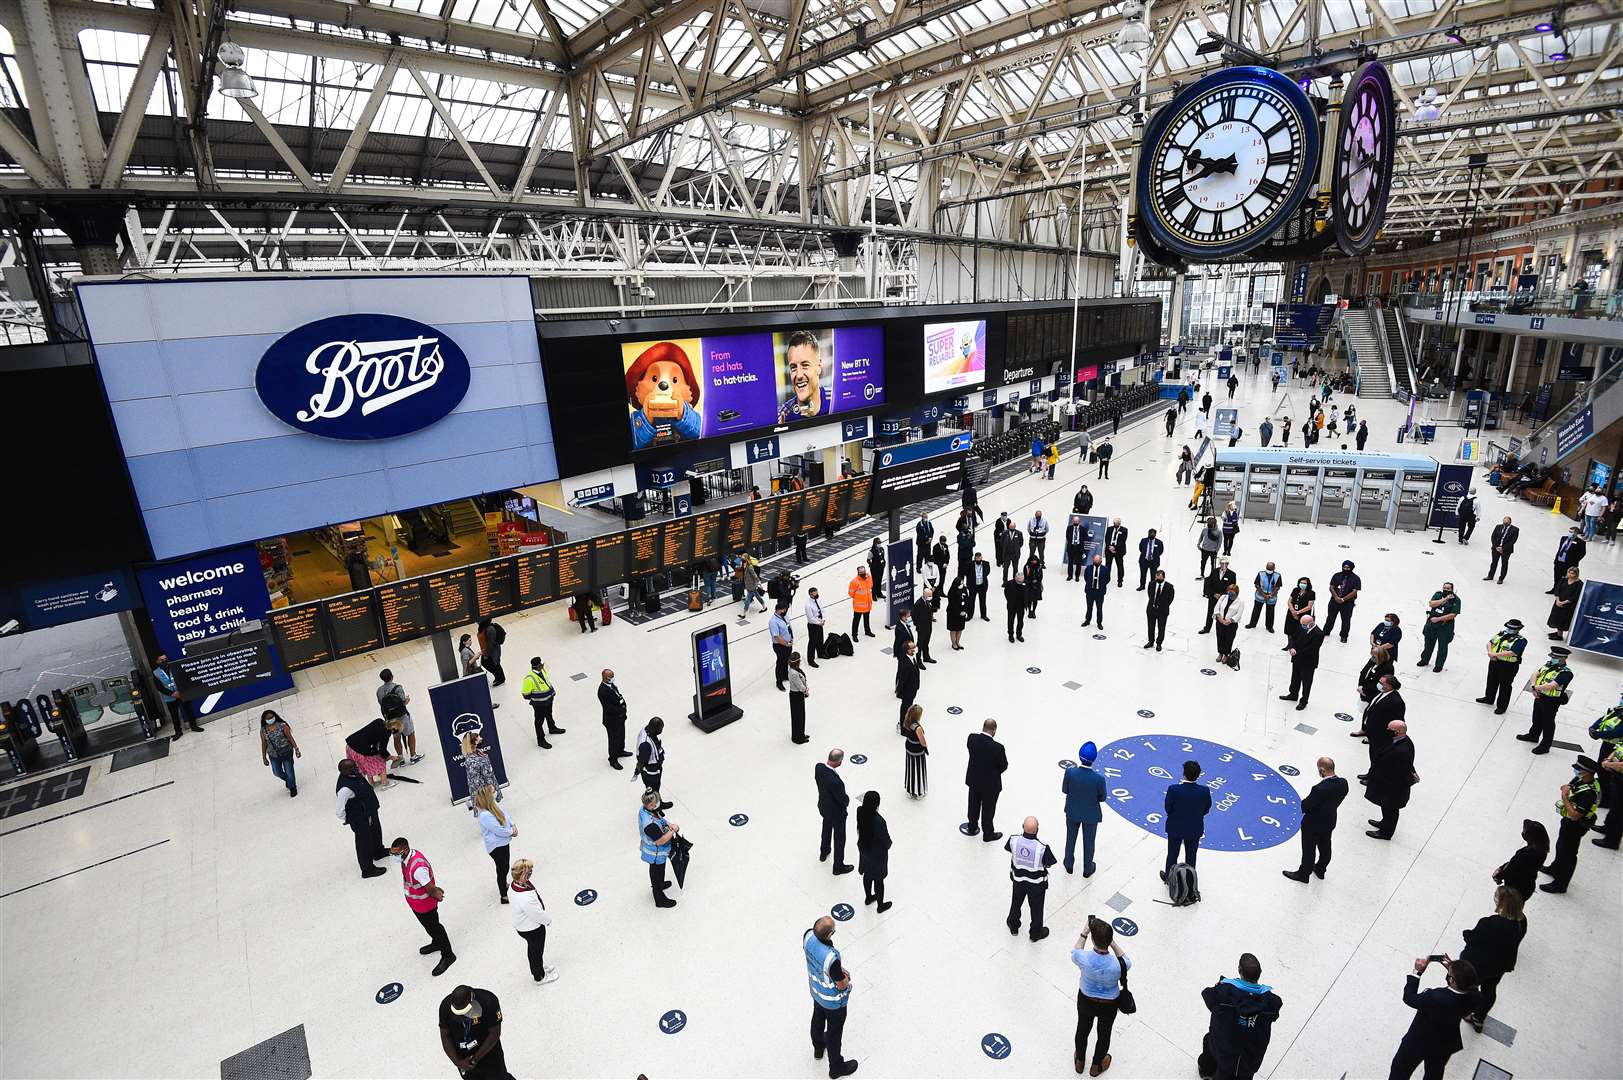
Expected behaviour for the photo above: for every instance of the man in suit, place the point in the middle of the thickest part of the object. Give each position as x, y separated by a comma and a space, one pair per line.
1391, 775
1304, 650
1504, 542
1007, 547
1386, 706
1186, 807
1014, 596
1434, 1033
832, 802
1116, 548
1319, 821
1076, 548
614, 717
903, 632
924, 623
980, 579
1465, 516
1149, 558
1095, 583
923, 534
908, 670
1569, 552
1084, 795
1156, 607
984, 778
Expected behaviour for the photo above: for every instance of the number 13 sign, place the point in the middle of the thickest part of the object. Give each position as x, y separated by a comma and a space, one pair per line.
1253, 807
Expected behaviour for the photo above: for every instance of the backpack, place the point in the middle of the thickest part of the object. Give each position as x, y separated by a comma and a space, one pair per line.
831, 647
1183, 886
846, 648
393, 703
496, 635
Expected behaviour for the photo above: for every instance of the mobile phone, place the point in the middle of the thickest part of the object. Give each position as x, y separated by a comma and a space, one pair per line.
1437, 958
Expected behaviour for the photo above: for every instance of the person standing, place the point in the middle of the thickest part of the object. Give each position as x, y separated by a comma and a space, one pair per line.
1491, 947
1549, 685
1297, 605
1434, 1033
423, 896
479, 770
471, 1034
1029, 860
1521, 870
924, 623
799, 691
1593, 504
832, 802
357, 806
923, 533
966, 541
861, 592
1105, 451
1243, 1014
1344, 589
1384, 707
1171, 419
1186, 805
1504, 663
814, 626
981, 580
614, 718
1034, 585
531, 919
1095, 583
783, 641
984, 777
749, 576
1318, 822
1369, 677
468, 655
491, 639
1076, 548
1363, 435
960, 609
1084, 792
1206, 405
497, 830
171, 697
1265, 595
1051, 457
1185, 473
1569, 552
1608, 728
873, 852
915, 772
1157, 605
908, 671
538, 690
1464, 515
1265, 431
1391, 775
394, 704
651, 757
1214, 588
940, 559
1008, 548
1504, 544
1037, 532
1115, 551
1388, 632
1441, 611
654, 835
1098, 997
1149, 558
1227, 615
1580, 798
876, 566
1208, 543
831, 993
1565, 605
278, 748
1014, 599
1231, 525
1304, 650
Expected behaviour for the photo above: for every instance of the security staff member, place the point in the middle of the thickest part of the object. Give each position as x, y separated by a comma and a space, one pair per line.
1504, 661
651, 757
830, 992
1568, 554
1029, 860
1116, 548
1465, 515
1579, 800
1344, 588
783, 641
538, 691
1549, 685
1037, 531
654, 833
1441, 611
1149, 557
1156, 607
1095, 583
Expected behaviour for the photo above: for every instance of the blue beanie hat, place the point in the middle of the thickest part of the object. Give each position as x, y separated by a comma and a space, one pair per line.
1088, 752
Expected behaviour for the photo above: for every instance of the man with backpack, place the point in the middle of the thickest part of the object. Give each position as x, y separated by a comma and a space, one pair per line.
491, 638
392, 702
1187, 805
1243, 1014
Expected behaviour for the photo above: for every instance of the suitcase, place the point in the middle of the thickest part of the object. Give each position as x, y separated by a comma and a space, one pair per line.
572, 616
608, 614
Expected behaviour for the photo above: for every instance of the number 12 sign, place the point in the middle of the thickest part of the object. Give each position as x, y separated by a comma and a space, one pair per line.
1253, 807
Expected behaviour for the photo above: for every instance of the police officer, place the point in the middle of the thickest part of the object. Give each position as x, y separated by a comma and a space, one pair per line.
538, 691
830, 992
1609, 730
1549, 685
1504, 661
654, 832
1579, 799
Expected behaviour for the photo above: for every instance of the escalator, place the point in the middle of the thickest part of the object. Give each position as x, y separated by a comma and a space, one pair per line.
1397, 347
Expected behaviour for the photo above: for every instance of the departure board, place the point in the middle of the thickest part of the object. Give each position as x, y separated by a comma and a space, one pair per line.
537, 577
788, 514
646, 553
403, 608
609, 559
763, 516
301, 636
707, 535
861, 489
574, 568
839, 503
353, 622
495, 588
816, 501
736, 534
450, 599
677, 544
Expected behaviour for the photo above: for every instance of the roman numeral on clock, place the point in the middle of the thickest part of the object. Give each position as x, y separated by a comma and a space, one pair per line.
1276, 129
1191, 218
1270, 189
1174, 199
1226, 109
1281, 157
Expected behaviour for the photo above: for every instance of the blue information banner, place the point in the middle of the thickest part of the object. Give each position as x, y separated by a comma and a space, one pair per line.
1226, 421
1453, 481
52, 603
924, 448
1575, 432
1598, 624
462, 707
899, 579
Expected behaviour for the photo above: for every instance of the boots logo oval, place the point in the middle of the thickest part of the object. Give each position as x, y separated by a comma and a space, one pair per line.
364, 376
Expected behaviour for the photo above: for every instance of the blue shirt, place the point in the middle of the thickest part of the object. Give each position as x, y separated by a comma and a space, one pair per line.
778, 627
1101, 973
495, 833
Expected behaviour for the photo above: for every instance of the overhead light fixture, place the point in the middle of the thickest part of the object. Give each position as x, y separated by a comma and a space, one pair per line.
1428, 106
1213, 43
234, 81
1560, 52
1454, 35
1544, 27
1134, 36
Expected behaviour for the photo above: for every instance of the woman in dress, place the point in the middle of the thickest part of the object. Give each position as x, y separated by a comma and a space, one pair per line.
1034, 585
481, 773
915, 776
498, 830
1566, 603
873, 851
1299, 604
278, 748
531, 919
1522, 869
1490, 947
368, 748
958, 612
468, 654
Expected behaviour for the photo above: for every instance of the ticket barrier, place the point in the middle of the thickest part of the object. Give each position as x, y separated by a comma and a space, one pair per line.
61, 714
1414, 499
1374, 499
1336, 497
1262, 493
145, 704
18, 742
1301, 493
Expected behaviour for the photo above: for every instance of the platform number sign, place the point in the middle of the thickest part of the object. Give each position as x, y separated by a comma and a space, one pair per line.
1253, 807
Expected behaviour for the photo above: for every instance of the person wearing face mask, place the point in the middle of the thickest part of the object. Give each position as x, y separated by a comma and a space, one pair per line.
1299, 603
480, 770
1344, 589
1549, 685
423, 896
830, 993
357, 806
1304, 650
1565, 605
1504, 662
1569, 552
614, 718
1579, 800
1441, 611
1388, 632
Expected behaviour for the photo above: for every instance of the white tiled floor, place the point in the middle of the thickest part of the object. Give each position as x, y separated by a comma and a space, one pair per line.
251, 918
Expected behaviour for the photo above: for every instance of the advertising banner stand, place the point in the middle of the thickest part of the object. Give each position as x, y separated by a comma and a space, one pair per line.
1453, 481
898, 579
1597, 626
462, 706
712, 680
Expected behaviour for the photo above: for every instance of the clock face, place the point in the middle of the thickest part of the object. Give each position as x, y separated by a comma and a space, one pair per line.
1362, 178
1253, 807
1226, 162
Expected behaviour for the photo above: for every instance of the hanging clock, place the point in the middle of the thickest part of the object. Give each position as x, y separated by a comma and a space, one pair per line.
1226, 162
1365, 145
1153, 251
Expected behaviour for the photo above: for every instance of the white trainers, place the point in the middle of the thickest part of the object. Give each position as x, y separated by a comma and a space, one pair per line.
548, 975
415, 758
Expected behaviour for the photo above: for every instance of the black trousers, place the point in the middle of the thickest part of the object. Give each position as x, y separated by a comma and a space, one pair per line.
873, 888
922, 551
1116, 561
1315, 851
656, 878
543, 718
1211, 610
1544, 710
814, 642
1467, 527
833, 834
1344, 613
1225, 637
924, 632
1039, 548
980, 595
177, 713
1104, 468
982, 806
1498, 563
1017, 622
1565, 859
797, 715
1207, 556
861, 617
780, 669
1146, 571
430, 921
1301, 679
1257, 610
493, 1066
368, 841
1089, 1010
501, 857
827, 1029
901, 712
1156, 627
1410, 1057
493, 664
616, 731
1073, 570
1389, 820
1096, 604
535, 946
1501, 682
1191, 848
800, 548
1032, 896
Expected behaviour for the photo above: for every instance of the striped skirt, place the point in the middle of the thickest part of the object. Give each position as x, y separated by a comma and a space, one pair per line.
916, 775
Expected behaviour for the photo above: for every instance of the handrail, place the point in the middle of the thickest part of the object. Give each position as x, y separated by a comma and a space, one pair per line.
1597, 386
1377, 319
1403, 338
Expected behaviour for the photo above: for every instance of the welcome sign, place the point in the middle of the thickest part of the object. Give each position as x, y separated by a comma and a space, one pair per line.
364, 376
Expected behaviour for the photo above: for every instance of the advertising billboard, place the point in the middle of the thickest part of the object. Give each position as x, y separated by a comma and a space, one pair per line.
954, 355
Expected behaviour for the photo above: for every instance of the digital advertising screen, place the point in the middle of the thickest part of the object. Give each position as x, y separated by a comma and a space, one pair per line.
537, 577
685, 389
954, 355
711, 647
403, 606
301, 636
353, 621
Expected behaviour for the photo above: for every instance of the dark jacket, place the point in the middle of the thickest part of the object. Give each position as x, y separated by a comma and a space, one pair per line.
1575, 551
907, 678
831, 797
924, 612
1084, 794
614, 704
1435, 1028
1076, 543
902, 633
1116, 537
1149, 550
873, 847
1504, 536
1379, 713
1096, 579
1216, 584
364, 806
1307, 646
1082, 502
371, 740
1521, 872
1369, 679
1391, 775
1491, 946
1187, 804
1158, 597
987, 762
1007, 545
1242, 1022
1319, 808
1014, 593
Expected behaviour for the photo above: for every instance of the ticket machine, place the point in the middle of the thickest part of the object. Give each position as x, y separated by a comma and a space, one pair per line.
1301, 493
1414, 498
1262, 485
1374, 498
1227, 484
1336, 496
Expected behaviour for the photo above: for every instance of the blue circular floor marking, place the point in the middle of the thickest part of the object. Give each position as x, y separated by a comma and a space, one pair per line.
859, 759
1253, 807
1290, 770
842, 912
1066, 763
1146, 714
1383, 549
738, 819
585, 896
1207, 671
996, 1046
1124, 926
1345, 718
672, 1021
1034, 671
1098, 637
389, 993
954, 710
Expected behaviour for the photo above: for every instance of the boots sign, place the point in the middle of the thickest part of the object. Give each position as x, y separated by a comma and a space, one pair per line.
364, 376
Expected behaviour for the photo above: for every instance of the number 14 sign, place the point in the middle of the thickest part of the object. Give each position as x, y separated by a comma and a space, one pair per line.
1253, 807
